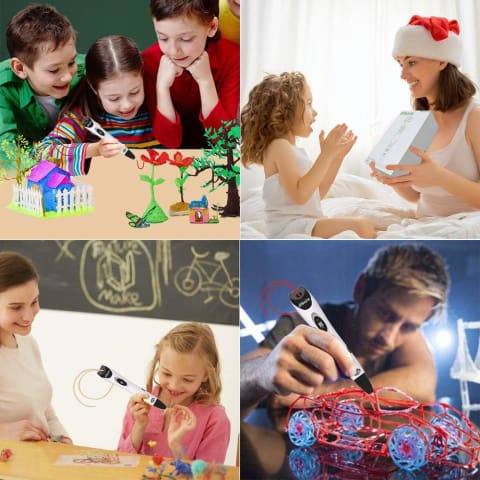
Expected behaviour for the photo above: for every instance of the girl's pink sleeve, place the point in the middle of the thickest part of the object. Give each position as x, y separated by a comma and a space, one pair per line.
215, 439
125, 442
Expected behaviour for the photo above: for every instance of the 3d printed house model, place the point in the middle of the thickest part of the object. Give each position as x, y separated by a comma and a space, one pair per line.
410, 433
49, 191
199, 210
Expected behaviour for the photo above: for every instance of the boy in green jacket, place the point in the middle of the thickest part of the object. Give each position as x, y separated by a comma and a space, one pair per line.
42, 69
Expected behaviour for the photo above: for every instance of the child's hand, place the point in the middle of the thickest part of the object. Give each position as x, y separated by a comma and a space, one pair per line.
139, 409
167, 72
180, 421
338, 142
109, 147
200, 69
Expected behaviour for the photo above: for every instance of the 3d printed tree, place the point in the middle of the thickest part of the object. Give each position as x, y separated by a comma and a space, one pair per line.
223, 144
15, 159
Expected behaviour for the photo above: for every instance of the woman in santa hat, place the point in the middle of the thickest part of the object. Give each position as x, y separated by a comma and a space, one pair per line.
447, 180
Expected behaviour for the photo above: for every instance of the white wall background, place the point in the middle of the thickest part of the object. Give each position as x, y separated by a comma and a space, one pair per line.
343, 47
71, 342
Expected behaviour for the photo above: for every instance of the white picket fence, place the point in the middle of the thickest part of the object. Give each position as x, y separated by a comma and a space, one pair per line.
78, 198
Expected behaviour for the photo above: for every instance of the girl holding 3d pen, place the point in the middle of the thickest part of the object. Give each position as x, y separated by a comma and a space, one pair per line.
447, 180
26, 412
185, 376
111, 94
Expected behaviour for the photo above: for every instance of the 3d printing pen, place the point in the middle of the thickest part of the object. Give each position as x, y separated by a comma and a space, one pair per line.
93, 127
308, 308
114, 377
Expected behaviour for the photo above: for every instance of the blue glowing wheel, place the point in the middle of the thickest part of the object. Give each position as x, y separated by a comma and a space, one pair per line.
452, 426
349, 416
301, 429
408, 447
304, 463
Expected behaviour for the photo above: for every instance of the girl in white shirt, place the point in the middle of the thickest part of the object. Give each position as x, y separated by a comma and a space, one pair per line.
278, 110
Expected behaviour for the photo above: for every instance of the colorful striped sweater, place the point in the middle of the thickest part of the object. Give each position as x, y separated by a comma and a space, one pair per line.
68, 141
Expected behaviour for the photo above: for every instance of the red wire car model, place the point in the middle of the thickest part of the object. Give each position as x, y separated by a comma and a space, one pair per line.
386, 423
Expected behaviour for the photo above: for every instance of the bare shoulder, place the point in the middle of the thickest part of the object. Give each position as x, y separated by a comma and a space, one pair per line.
279, 151
472, 131
473, 120
278, 146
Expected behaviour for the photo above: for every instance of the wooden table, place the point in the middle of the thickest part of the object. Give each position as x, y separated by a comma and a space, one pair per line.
117, 188
36, 461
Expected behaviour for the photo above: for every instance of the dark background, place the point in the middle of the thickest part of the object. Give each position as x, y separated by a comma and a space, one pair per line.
92, 19
329, 270
135, 278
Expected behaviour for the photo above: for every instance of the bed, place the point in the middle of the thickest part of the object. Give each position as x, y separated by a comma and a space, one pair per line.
353, 195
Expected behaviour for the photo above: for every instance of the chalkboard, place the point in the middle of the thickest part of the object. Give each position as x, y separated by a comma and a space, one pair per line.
92, 19
164, 279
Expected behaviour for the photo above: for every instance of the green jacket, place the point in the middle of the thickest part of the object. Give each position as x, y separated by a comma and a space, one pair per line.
20, 112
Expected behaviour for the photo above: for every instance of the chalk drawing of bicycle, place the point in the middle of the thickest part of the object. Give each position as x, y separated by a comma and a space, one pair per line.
195, 278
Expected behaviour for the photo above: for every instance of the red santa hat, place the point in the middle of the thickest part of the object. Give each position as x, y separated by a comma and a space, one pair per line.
436, 38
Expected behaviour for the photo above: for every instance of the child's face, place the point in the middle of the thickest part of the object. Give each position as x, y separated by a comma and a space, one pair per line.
179, 376
305, 115
53, 71
122, 95
18, 308
183, 38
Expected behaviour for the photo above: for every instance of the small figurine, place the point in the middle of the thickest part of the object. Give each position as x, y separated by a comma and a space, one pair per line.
5, 454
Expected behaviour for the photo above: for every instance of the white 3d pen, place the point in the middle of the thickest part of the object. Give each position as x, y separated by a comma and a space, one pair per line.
311, 312
116, 379
93, 127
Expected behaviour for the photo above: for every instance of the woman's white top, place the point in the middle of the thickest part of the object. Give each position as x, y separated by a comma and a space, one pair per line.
459, 158
25, 392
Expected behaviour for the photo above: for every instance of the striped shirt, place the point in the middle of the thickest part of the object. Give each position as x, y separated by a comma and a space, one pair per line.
67, 143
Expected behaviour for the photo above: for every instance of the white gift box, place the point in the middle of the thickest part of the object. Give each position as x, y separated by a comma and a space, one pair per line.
410, 128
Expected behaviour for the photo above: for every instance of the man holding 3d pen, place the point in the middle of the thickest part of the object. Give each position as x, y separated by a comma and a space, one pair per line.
401, 288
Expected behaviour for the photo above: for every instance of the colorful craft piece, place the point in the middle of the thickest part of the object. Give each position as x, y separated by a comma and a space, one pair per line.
153, 213
136, 221
197, 469
5, 454
181, 468
98, 458
49, 191
181, 207
199, 210
220, 160
387, 423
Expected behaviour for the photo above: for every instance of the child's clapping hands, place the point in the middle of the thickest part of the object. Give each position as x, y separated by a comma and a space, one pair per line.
338, 142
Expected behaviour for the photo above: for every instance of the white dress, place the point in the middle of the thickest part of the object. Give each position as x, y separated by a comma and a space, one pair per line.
457, 157
283, 216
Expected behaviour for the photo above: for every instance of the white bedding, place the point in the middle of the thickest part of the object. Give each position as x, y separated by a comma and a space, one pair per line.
352, 195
